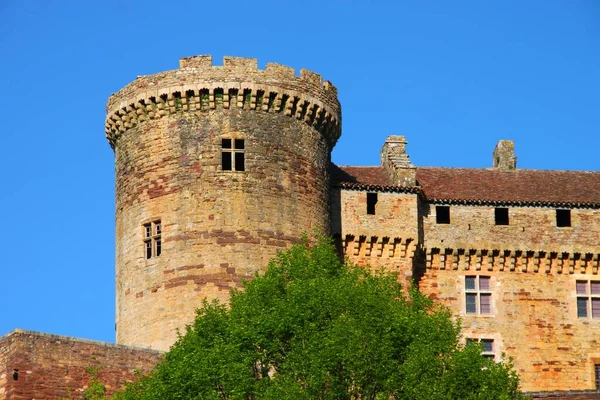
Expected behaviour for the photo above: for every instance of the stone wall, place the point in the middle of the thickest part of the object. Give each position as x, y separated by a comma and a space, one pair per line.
530, 229
388, 238
532, 264
49, 367
533, 267
533, 319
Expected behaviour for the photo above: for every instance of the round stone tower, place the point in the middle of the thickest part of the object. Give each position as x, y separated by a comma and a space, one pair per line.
217, 168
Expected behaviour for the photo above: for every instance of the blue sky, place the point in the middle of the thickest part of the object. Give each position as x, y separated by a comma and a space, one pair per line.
454, 77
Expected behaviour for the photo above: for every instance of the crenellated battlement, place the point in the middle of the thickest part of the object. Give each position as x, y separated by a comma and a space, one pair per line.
198, 85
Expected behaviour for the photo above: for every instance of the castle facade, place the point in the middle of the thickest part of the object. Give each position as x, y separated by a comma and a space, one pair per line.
219, 167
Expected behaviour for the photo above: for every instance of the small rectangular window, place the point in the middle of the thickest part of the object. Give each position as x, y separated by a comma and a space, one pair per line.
470, 282
152, 239
471, 303
371, 202
232, 159
484, 283
563, 218
588, 299
501, 216
442, 214
148, 246
158, 247
226, 161
478, 296
595, 307
597, 375
485, 303
581, 307
239, 162
487, 347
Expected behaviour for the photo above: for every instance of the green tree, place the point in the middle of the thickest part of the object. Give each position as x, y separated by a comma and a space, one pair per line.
313, 327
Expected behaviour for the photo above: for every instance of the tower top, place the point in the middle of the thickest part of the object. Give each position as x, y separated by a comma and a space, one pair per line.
198, 85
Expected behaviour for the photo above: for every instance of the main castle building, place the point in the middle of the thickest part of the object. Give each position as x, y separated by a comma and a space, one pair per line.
219, 167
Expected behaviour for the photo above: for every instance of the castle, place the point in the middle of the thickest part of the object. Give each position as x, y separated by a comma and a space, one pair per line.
219, 167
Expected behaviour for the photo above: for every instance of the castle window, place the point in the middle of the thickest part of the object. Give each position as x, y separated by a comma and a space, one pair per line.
563, 218
442, 214
478, 295
597, 375
232, 155
501, 216
588, 299
371, 202
152, 239
487, 347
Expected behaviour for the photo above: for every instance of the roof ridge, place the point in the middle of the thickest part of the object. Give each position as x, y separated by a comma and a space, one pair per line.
517, 170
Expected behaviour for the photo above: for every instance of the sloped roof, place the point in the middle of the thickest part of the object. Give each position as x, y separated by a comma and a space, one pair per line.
483, 185
510, 186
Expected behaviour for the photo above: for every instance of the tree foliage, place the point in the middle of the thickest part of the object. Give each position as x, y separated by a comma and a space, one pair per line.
313, 327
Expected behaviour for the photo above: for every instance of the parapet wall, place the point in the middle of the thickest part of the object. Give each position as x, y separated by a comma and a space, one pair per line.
198, 85
42, 367
532, 242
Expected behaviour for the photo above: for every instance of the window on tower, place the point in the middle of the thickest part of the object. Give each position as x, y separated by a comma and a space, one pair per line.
152, 232
232, 155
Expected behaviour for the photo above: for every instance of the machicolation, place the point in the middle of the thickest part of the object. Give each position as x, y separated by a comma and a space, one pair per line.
199, 86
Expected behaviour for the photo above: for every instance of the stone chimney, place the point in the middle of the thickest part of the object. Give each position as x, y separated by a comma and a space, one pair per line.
504, 155
396, 163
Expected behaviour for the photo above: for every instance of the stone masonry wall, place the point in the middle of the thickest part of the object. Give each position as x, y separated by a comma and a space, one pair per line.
529, 229
533, 319
218, 227
533, 268
49, 367
387, 239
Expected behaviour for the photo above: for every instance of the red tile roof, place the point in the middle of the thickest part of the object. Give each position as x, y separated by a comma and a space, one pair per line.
481, 185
